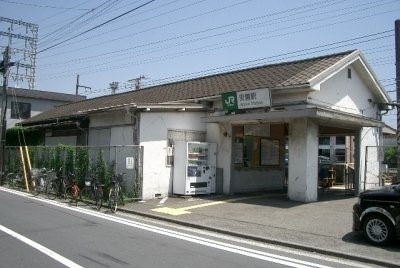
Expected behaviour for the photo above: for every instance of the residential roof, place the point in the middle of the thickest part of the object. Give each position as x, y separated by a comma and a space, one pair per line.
274, 76
48, 95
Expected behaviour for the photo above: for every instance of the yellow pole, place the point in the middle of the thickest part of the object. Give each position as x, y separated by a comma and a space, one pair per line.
24, 169
28, 159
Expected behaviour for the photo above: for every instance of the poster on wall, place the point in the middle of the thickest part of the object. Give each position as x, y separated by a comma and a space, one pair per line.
269, 152
238, 153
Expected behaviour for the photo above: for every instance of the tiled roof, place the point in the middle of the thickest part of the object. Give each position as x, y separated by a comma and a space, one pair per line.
38, 94
274, 76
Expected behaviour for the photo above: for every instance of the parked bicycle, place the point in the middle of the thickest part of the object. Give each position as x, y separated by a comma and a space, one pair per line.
39, 179
92, 192
15, 180
115, 194
63, 187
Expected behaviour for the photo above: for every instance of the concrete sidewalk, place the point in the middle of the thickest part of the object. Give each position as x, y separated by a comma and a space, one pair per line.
324, 226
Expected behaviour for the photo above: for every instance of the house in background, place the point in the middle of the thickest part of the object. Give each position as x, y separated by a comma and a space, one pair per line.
26, 103
389, 136
249, 114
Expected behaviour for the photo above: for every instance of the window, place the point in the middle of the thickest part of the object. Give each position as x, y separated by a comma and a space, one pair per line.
20, 110
340, 155
324, 141
324, 152
253, 147
341, 140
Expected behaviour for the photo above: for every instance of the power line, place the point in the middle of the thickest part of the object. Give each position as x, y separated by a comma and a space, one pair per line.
150, 51
96, 27
41, 6
60, 31
153, 28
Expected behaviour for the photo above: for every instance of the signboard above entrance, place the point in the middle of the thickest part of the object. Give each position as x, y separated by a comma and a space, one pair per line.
249, 99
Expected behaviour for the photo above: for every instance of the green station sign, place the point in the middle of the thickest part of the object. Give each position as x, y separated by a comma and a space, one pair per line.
249, 99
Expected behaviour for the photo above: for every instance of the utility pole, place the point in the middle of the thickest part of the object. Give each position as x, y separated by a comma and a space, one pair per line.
5, 64
79, 86
137, 82
397, 48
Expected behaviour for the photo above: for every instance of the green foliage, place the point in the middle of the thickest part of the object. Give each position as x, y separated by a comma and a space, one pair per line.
81, 165
70, 159
390, 158
100, 170
136, 188
17, 136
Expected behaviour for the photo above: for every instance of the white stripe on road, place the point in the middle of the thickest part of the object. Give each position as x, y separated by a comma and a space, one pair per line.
41, 248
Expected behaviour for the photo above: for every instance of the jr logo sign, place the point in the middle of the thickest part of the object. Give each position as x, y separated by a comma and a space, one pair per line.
229, 101
248, 99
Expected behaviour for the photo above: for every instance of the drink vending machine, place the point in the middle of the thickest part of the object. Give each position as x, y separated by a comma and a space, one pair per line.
194, 167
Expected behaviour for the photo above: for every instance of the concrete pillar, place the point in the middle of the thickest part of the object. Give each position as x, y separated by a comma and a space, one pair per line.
303, 160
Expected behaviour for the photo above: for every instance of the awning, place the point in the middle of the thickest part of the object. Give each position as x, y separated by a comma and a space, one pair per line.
322, 115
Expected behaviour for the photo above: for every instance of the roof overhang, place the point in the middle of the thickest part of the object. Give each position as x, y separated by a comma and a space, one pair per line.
322, 115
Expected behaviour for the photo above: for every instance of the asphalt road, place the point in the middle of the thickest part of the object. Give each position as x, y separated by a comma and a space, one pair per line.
36, 232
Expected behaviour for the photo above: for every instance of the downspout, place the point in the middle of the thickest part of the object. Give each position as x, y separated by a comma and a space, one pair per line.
78, 126
357, 163
136, 123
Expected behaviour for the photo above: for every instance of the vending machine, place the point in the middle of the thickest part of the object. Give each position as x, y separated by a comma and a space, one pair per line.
194, 168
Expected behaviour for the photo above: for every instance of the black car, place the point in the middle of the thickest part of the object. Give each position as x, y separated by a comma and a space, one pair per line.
377, 214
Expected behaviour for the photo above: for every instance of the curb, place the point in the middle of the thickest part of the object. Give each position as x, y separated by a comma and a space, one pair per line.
265, 240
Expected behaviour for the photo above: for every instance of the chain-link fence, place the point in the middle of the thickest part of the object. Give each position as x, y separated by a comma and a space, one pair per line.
103, 162
381, 166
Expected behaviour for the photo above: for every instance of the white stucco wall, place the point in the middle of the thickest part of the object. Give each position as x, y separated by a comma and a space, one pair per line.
221, 134
349, 95
370, 158
154, 126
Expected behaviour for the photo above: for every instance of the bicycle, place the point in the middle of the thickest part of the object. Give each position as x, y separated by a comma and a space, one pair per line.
115, 194
92, 191
14, 180
39, 181
60, 187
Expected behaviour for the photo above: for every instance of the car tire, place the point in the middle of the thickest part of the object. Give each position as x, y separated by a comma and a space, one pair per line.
378, 229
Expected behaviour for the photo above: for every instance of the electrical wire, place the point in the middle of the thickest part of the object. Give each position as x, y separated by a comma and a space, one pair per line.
96, 27
41, 6
230, 42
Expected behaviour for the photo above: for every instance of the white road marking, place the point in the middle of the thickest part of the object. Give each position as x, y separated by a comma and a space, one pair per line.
292, 262
41, 248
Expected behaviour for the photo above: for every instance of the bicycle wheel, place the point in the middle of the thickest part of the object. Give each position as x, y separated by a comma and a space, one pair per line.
52, 190
113, 200
86, 195
99, 198
38, 185
71, 195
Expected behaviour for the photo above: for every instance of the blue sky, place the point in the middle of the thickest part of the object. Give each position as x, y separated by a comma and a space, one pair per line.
170, 40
